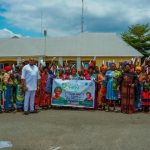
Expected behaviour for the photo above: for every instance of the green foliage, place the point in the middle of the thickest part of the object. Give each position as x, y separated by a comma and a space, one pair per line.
138, 36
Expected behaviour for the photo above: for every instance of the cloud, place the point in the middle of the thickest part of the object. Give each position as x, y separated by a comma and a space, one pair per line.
5, 33
63, 17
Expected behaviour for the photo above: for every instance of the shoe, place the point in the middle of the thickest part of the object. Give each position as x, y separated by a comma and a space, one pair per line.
14, 111
34, 111
99, 108
26, 113
7, 111
107, 110
117, 110
103, 108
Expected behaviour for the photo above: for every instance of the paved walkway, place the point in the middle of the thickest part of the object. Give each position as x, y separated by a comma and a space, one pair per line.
75, 130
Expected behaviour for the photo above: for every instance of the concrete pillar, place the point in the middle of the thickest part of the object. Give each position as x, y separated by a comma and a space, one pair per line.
79, 63
60, 60
39, 59
19, 60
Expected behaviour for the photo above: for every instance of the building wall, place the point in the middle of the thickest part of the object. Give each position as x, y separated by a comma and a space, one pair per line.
116, 60
14, 59
99, 60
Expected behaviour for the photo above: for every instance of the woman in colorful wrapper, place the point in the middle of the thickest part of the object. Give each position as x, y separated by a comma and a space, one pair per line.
88, 72
90, 75
146, 98
8, 90
128, 83
133, 64
67, 73
96, 72
16, 81
61, 74
1, 91
87, 75
44, 96
54, 69
93, 70
111, 87
1, 99
101, 89
95, 77
141, 80
147, 66
49, 83
37, 93
19, 91
148, 81
74, 75
81, 75
117, 75
19, 97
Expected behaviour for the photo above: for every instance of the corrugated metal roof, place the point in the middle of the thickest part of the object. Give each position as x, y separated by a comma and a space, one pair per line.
86, 44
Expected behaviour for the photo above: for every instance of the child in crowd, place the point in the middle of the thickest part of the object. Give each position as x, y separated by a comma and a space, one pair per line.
146, 98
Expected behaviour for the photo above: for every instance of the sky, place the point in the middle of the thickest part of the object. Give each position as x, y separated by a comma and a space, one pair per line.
29, 18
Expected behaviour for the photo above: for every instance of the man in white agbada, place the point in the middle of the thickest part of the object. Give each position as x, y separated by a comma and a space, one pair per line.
31, 79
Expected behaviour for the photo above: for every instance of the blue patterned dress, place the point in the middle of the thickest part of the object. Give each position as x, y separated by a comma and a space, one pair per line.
19, 96
111, 86
8, 97
74, 77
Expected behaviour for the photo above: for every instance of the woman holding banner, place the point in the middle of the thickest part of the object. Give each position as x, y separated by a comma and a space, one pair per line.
44, 96
74, 75
67, 73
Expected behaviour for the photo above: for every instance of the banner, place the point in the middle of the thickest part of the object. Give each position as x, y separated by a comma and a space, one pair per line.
74, 93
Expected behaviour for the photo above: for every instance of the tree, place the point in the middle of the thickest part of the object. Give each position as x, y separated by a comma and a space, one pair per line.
138, 36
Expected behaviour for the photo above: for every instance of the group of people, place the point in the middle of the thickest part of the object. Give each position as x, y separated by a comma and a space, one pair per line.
28, 87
